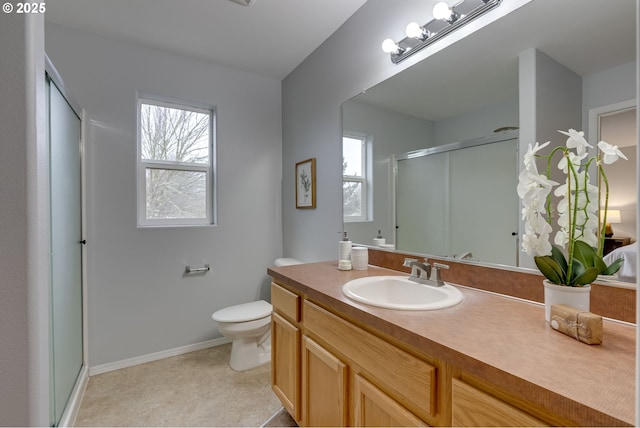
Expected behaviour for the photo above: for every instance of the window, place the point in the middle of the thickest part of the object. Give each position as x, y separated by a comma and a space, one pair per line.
354, 177
175, 164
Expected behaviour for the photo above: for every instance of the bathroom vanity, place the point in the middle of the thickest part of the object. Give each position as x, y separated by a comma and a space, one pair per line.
490, 360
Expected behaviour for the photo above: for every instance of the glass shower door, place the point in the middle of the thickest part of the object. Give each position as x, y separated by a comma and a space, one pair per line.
66, 252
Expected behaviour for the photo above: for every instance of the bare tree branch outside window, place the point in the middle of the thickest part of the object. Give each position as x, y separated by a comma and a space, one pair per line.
351, 195
174, 147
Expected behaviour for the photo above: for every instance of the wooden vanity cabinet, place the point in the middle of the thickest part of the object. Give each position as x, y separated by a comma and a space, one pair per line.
372, 407
327, 371
376, 368
324, 387
285, 349
473, 407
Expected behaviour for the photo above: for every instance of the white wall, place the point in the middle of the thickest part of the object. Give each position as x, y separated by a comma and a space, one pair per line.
24, 228
607, 87
478, 123
348, 62
139, 300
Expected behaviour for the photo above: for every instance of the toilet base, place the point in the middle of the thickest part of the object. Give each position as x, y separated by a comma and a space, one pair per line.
247, 354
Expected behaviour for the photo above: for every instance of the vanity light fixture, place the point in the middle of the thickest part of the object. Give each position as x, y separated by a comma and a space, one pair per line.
415, 31
389, 46
443, 12
445, 20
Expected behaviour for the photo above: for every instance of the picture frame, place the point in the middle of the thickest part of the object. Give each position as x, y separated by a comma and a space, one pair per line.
306, 184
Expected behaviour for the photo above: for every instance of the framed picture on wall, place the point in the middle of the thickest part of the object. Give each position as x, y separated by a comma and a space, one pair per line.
306, 183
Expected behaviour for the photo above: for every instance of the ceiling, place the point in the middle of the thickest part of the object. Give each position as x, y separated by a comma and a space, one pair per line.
269, 37
586, 36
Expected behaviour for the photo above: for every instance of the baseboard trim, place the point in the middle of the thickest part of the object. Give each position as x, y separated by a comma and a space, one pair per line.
129, 362
68, 418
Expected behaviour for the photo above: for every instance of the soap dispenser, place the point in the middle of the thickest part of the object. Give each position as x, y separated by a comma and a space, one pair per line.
379, 240
344, 253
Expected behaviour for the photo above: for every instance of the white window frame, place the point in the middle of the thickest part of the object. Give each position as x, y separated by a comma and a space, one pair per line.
208, 168
357, 179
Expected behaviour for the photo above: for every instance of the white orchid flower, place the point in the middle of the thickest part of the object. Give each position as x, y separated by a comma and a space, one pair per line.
592, 222
540, 225
561, 238
589, 237
537, 246
575, 160
579, 201
529, 243
611, 152
576, 141
563, 206
561, 190
532, 183
543, 181
530, 156
564, 220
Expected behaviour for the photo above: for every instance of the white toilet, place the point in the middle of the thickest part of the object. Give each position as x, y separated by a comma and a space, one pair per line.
248, 326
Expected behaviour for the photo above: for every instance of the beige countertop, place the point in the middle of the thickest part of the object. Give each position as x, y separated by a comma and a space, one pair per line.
500, 339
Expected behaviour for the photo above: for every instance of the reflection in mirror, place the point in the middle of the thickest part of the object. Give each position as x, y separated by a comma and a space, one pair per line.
497, 77
620, 129
617, 125
469, 185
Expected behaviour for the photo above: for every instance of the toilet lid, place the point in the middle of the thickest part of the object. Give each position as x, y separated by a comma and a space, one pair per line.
244, 312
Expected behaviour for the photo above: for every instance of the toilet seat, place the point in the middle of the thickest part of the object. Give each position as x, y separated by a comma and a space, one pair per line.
243, 312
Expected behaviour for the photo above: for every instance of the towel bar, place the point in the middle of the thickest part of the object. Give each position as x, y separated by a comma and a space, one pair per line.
189, 269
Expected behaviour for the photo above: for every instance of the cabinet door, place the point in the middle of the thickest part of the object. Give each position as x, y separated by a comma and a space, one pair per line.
324, 387
473, 407
285, 363
374, 408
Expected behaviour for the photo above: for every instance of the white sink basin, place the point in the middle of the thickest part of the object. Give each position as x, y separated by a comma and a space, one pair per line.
398, 292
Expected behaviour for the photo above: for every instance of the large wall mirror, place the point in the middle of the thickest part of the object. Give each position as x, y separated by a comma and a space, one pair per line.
431, 154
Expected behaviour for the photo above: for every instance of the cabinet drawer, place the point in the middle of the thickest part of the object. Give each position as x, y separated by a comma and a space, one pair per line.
473, 407
286, 302
374, 408
409, 380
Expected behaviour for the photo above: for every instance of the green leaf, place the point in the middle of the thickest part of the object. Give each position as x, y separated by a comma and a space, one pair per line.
588, 276
576, 272
558, 256
550, 268
600, 264
613, 267
584, 253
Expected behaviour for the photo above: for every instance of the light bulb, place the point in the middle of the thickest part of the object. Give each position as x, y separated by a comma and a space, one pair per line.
442, 11
389, 46
414, 30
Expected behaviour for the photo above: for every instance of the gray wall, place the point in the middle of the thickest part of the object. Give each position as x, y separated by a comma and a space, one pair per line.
392, 133
477, 123
607, 87
348, 62
24, 228
139, 301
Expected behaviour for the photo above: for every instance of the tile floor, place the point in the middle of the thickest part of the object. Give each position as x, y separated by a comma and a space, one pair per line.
194, 389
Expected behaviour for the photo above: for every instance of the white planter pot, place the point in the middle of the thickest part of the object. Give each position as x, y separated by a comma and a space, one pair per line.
554, 294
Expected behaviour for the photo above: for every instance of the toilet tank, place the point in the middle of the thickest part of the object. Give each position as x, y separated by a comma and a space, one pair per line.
285, 261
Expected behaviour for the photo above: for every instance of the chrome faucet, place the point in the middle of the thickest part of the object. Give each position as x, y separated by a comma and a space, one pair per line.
423, 273
463, 256
419, 271
435, 274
